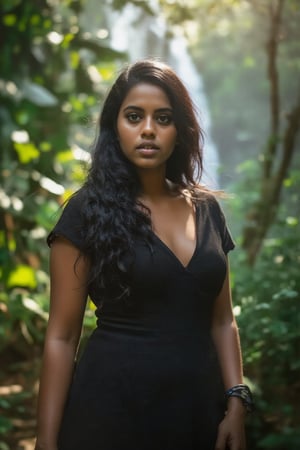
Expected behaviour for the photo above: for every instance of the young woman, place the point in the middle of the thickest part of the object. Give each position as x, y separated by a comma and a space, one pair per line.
148, 245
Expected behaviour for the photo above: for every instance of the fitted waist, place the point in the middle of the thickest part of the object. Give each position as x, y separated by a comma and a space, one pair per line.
124, 325
153, 326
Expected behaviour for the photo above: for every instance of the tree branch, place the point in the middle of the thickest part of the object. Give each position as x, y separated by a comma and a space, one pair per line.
275, 15
288, 146
262, 214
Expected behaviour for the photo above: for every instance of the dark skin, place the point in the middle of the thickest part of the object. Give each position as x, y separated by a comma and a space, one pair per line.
67, 305
147, 137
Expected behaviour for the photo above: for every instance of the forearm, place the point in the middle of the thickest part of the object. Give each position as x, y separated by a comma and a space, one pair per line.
56, 376
231, 431
227, 343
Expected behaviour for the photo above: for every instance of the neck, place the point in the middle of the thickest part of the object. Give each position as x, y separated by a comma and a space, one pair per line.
153, 184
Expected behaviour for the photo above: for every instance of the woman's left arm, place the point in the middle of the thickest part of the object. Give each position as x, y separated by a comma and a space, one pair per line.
231, 433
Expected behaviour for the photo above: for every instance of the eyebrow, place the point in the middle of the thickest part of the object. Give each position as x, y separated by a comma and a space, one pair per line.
137, 108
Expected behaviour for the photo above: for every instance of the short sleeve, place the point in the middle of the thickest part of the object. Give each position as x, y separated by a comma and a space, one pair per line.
70, 223
226, 239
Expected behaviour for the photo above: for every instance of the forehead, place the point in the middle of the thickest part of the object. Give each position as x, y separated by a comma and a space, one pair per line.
143, 94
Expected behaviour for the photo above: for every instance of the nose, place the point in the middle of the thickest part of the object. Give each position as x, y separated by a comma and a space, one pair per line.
149, 127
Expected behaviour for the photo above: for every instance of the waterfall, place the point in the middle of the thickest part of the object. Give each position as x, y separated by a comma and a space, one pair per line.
141, 35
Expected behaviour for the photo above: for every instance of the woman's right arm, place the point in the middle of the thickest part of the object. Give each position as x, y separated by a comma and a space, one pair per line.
67, 306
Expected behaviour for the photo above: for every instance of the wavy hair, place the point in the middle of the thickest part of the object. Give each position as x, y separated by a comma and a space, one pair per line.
113, 218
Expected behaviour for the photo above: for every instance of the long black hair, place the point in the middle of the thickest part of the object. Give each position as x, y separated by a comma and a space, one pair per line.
113, 218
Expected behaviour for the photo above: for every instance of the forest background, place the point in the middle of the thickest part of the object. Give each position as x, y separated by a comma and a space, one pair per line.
54, 73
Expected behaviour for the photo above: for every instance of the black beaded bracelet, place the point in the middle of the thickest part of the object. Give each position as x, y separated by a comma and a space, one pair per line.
243, 392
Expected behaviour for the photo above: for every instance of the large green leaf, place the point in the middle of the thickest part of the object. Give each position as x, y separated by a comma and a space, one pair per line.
22, 276
26, 152
37, 94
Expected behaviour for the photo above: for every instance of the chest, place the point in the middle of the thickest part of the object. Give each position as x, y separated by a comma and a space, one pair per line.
176, 228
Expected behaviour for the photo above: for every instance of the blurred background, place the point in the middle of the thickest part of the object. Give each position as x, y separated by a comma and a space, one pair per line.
240, 60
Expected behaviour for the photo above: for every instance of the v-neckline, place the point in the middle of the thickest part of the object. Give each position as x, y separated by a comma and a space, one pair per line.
166, 247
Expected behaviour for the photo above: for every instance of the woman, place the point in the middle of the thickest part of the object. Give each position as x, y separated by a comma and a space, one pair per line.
148, 245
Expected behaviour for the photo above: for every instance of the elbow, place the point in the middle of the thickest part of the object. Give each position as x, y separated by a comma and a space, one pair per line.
224, 321
64, 336
64, 348
67, 339
222, 327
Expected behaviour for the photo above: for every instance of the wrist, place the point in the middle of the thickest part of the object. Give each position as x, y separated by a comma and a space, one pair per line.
236, 407
240, 394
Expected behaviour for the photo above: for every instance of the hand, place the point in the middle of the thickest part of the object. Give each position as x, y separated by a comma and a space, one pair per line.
231, 431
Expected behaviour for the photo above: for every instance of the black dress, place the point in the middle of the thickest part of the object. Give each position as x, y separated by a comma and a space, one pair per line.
149, 378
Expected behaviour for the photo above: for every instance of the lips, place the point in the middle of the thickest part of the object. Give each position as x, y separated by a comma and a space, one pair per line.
147, 146
147, 150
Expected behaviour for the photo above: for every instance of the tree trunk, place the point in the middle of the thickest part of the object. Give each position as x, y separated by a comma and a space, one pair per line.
279, 150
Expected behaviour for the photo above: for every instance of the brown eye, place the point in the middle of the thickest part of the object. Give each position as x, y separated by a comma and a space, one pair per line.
164, 119
133, 117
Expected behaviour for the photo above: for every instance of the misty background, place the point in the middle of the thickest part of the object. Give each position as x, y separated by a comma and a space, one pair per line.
240, 60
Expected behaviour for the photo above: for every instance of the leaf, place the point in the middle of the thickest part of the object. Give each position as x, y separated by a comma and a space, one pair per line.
292, 221
37, 94
33, 306
65, 156
9, 20
45, 146
74, 59
22, 276
45, 213
107, 71
26, 152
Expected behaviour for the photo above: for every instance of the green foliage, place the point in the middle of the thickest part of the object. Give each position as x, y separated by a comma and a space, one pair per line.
233, 62
7, 402
53, 72
22, 321
229, 48
266, 300
52, 75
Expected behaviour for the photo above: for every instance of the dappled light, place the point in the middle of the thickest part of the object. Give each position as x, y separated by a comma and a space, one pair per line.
241, 61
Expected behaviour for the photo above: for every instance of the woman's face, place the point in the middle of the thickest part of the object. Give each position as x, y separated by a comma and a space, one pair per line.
145, 127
